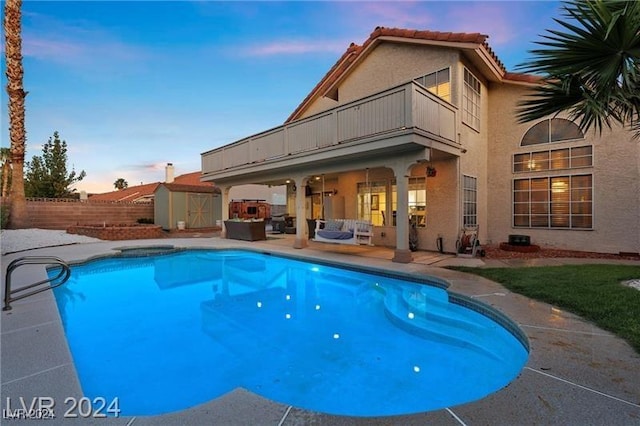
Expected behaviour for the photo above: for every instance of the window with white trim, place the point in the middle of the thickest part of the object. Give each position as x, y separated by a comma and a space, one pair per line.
469, 201
471, 100
553, 202
438, 83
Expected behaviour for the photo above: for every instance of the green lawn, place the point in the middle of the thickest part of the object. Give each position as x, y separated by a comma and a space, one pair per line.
592, 291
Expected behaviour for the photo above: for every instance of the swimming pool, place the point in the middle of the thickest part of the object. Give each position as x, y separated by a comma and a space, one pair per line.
167, 332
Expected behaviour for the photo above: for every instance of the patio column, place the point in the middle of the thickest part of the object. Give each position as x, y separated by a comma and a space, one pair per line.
402, 253
224, 193
301, 240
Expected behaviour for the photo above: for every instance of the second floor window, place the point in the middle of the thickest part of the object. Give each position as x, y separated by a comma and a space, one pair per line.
471, 100
555, 159
438, 83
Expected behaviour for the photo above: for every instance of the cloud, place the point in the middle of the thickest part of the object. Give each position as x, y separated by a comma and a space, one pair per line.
405, 14
357, 19
294, 47
506, 23
80, 54
82, 46
147, 167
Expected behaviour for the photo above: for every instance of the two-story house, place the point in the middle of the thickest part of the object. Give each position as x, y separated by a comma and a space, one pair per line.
421, 125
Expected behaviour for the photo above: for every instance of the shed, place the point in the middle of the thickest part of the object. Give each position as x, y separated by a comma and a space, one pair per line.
196, 206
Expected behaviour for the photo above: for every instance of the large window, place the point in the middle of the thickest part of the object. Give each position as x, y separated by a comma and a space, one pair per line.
553, 202
554, 159
471, 100
438, 83
469, 201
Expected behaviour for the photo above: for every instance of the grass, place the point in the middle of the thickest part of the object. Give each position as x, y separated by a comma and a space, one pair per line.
594, 292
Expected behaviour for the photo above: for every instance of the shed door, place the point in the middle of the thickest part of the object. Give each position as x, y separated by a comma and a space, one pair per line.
200, 210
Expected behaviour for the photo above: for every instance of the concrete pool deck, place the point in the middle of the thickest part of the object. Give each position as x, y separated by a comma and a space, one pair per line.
576, 372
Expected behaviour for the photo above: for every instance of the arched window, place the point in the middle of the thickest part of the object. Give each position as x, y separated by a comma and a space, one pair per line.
551, 130
554, 196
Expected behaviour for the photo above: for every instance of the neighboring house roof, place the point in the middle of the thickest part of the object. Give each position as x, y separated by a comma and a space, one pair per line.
131, 194
146, 191
191, 179
475, 42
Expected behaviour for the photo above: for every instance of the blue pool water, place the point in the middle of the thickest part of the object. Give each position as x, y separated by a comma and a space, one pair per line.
168, 332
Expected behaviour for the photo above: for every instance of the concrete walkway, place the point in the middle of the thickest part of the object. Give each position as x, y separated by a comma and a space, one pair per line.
576, 374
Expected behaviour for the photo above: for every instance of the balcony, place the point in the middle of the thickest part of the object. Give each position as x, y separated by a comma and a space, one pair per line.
406, 117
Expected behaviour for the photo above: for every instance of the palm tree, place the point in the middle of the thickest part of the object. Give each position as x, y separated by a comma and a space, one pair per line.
5, 159
589, 69
17, 134
121, 184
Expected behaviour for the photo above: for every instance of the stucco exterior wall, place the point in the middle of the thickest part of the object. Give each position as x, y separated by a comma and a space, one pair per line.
443, 209
616, 183
391, 64
388, 65
319, 105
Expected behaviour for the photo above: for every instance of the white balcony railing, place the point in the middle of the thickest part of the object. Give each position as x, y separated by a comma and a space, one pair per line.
400, 108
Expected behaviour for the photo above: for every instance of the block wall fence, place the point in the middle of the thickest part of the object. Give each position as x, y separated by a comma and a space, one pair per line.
60, 213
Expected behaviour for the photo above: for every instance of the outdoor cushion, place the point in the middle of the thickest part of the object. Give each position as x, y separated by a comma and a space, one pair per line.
333, 225
335, 235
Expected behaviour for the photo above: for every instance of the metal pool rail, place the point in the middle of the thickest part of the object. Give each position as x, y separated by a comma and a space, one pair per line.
65, 273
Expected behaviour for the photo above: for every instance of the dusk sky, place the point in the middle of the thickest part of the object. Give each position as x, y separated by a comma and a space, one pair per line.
133, 85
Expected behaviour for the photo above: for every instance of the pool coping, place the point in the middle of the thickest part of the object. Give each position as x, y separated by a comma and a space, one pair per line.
576, 373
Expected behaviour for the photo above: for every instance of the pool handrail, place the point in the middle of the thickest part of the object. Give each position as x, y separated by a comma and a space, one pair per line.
65, 273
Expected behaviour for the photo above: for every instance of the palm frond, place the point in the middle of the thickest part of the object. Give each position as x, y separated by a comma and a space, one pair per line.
590, 66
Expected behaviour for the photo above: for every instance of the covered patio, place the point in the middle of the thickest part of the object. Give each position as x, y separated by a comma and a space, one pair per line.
391, 137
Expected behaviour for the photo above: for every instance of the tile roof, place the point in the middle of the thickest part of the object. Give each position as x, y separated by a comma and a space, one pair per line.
525, 78
354, 51
135, 193
191, 179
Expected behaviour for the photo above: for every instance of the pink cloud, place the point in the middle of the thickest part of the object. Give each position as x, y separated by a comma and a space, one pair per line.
405, 14
504, 24
361, 18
